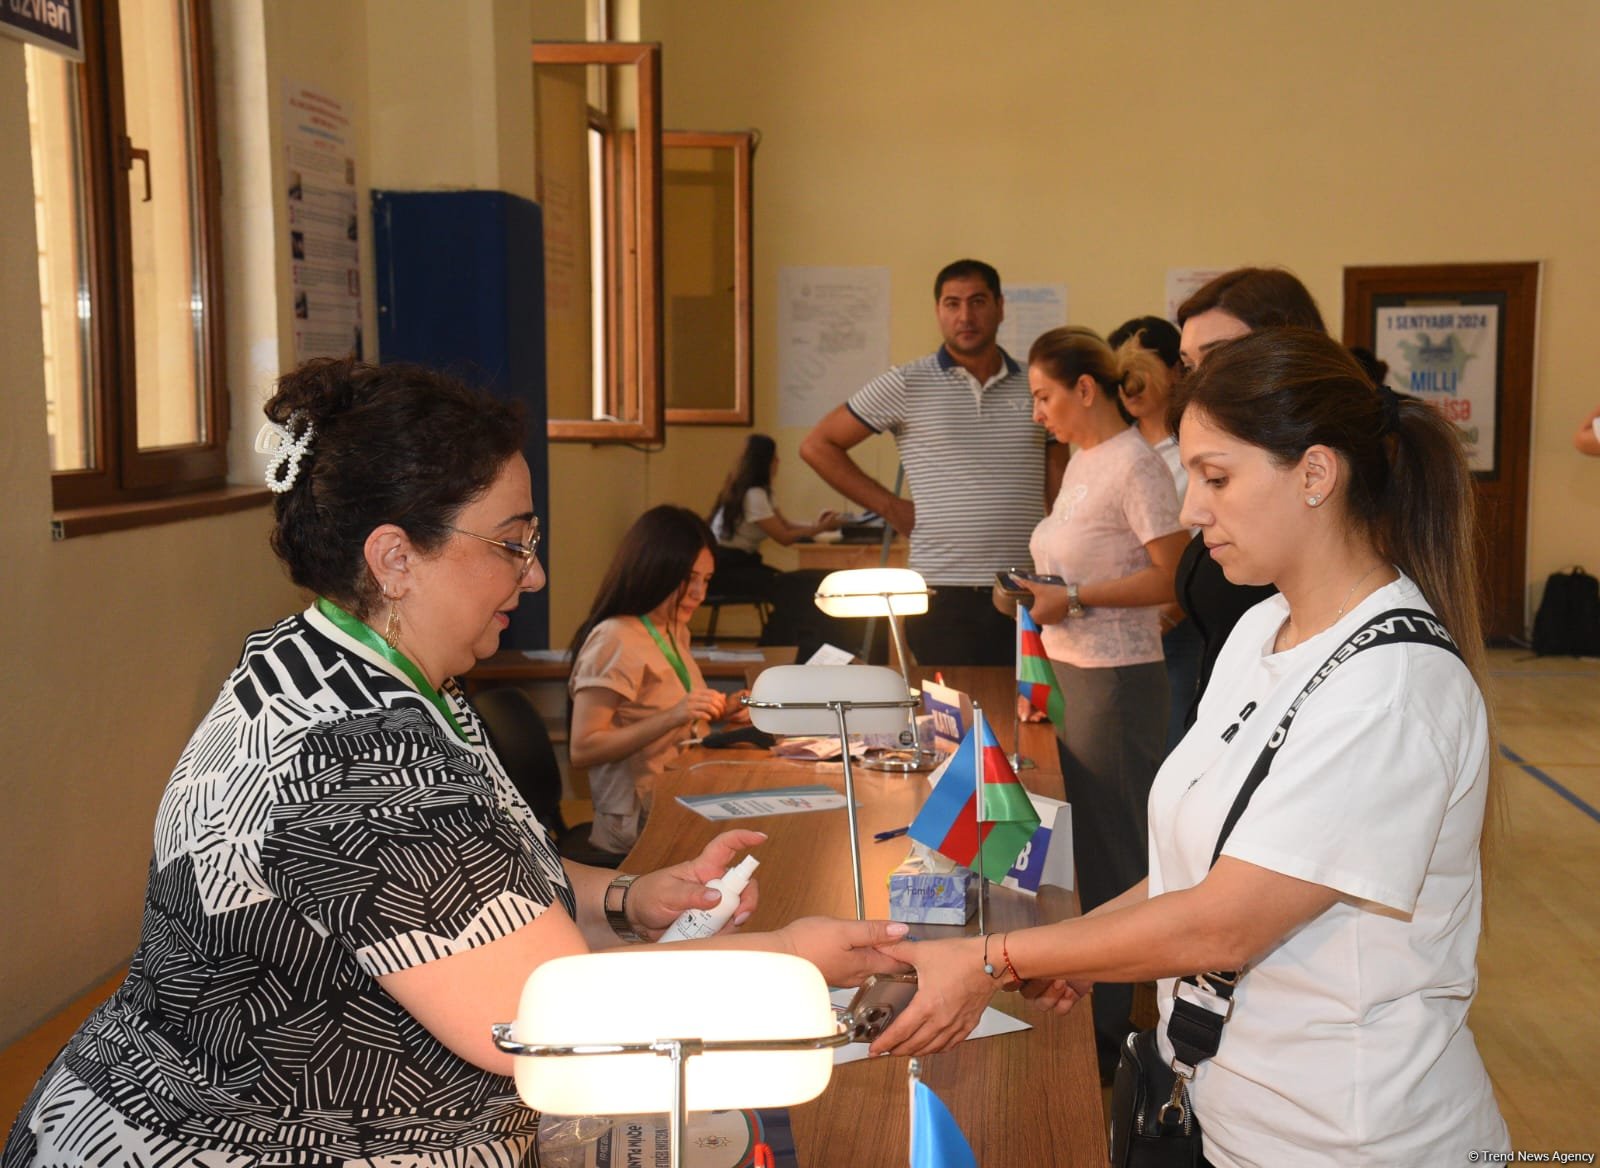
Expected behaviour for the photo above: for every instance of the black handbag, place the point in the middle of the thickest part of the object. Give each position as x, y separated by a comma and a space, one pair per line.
1152, 1123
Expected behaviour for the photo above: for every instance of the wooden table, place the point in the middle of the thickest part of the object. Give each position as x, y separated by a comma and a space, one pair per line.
513, 665
835, 556
1030, 1098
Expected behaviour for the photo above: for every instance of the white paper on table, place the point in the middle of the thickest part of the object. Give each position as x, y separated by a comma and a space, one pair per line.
815, 748
993, 1022
750, 804
827, 654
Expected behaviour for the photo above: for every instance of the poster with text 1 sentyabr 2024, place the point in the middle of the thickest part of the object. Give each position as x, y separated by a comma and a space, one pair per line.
1447, 355
324, 227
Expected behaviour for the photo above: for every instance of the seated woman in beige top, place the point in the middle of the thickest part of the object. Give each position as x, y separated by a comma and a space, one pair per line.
637, 694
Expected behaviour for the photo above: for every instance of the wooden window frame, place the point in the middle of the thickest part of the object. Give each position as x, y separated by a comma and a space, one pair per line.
635, 384
741, 145
121, 473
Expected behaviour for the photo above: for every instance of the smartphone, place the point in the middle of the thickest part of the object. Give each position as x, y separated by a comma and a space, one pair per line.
1007, 581
880, 998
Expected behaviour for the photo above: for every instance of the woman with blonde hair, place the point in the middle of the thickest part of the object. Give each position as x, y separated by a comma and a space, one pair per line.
1114, 539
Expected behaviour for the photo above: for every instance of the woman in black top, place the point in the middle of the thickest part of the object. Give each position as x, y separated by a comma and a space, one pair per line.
1242, 301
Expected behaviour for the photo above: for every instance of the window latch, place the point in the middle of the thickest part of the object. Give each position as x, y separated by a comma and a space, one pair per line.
130, 155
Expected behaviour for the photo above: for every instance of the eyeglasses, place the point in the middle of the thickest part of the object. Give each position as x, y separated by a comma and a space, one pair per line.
525, 551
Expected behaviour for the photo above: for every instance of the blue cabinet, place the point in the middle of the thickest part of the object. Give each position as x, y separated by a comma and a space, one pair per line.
461, 289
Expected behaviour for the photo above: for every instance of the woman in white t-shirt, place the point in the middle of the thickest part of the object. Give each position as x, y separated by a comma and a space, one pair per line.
1350, 890
745, 516
1113, 535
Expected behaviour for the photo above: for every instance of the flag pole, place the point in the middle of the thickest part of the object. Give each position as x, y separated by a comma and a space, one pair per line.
977, 811
913, 1077
1018, 762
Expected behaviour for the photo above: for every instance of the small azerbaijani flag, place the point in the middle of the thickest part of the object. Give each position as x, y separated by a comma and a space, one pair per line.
950, 823
936, 1138
1036, 681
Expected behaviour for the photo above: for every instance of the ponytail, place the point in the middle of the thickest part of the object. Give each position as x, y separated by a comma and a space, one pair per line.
1430, 522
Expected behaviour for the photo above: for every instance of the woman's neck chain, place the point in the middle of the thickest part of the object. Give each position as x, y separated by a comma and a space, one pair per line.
1293, 630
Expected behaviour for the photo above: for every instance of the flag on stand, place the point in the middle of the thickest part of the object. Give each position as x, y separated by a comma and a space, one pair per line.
953, 824
936, 1139
1036, 681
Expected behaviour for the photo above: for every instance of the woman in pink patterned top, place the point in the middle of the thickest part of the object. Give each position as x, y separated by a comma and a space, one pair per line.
1113, 536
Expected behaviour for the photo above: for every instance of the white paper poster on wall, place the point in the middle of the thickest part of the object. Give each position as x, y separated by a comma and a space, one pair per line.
324, 224
1183, 283
833, 337
1448, 355
1031, 310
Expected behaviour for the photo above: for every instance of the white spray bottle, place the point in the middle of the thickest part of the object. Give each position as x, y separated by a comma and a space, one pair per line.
702, 922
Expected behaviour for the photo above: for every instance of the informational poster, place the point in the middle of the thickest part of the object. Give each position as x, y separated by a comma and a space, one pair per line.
323, 223
833, 338
1448, 355
1031, 310
1183, 283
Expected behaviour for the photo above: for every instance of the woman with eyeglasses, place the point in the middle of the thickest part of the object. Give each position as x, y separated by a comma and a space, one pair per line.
347, 890
638, 696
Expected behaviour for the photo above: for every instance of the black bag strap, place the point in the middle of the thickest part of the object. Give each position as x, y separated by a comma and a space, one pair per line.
1194, 1030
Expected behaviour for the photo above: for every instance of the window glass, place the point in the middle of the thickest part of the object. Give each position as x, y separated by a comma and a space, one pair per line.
65, 305
168, 295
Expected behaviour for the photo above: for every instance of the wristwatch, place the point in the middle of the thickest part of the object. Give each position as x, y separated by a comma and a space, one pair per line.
1074, 605
616, 903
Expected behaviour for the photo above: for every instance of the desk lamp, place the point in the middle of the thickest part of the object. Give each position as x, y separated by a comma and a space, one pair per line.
891, 593
671, 1031
833, 699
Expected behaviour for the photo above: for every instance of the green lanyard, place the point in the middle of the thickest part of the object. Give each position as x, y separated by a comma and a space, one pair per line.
363, 633
671, 653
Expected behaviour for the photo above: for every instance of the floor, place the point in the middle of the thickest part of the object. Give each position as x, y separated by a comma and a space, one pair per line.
1537, 1016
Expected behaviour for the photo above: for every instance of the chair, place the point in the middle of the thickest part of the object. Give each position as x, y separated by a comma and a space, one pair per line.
519, 738
740, 578
716, 602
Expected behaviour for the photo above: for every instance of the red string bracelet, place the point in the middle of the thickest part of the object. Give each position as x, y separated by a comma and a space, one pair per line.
1005, 954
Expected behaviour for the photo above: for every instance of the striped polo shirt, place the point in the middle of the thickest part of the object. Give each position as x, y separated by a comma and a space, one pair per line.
974, 460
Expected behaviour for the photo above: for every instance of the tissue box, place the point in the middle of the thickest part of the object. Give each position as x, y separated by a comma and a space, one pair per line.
920, 896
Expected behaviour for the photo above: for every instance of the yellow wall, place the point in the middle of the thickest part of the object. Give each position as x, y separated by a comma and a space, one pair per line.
1102, 142
1094, 144
113, 648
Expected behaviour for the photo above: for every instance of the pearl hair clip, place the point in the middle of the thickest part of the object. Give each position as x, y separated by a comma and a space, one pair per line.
283, 469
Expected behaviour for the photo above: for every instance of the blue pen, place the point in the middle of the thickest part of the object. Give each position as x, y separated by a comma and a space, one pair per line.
881, 836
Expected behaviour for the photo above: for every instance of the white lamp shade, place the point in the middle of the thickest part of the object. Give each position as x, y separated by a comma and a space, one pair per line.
812, 684
868, 592
647, 996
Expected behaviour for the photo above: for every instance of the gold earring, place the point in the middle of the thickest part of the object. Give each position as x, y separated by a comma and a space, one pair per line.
391, 630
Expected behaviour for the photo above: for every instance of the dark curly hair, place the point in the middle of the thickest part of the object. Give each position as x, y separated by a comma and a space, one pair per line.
398, 444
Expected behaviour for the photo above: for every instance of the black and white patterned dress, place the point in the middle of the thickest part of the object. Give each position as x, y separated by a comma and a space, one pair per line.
324, 826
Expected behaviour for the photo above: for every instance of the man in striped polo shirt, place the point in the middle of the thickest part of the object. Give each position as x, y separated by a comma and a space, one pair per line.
974, 460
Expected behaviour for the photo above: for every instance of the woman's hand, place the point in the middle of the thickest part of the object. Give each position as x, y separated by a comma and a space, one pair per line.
828, 521
1026, 712
735, 711
658, 898
845, 951
1049, 604
1055, 995
701, 705
1004, 603
952, 992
